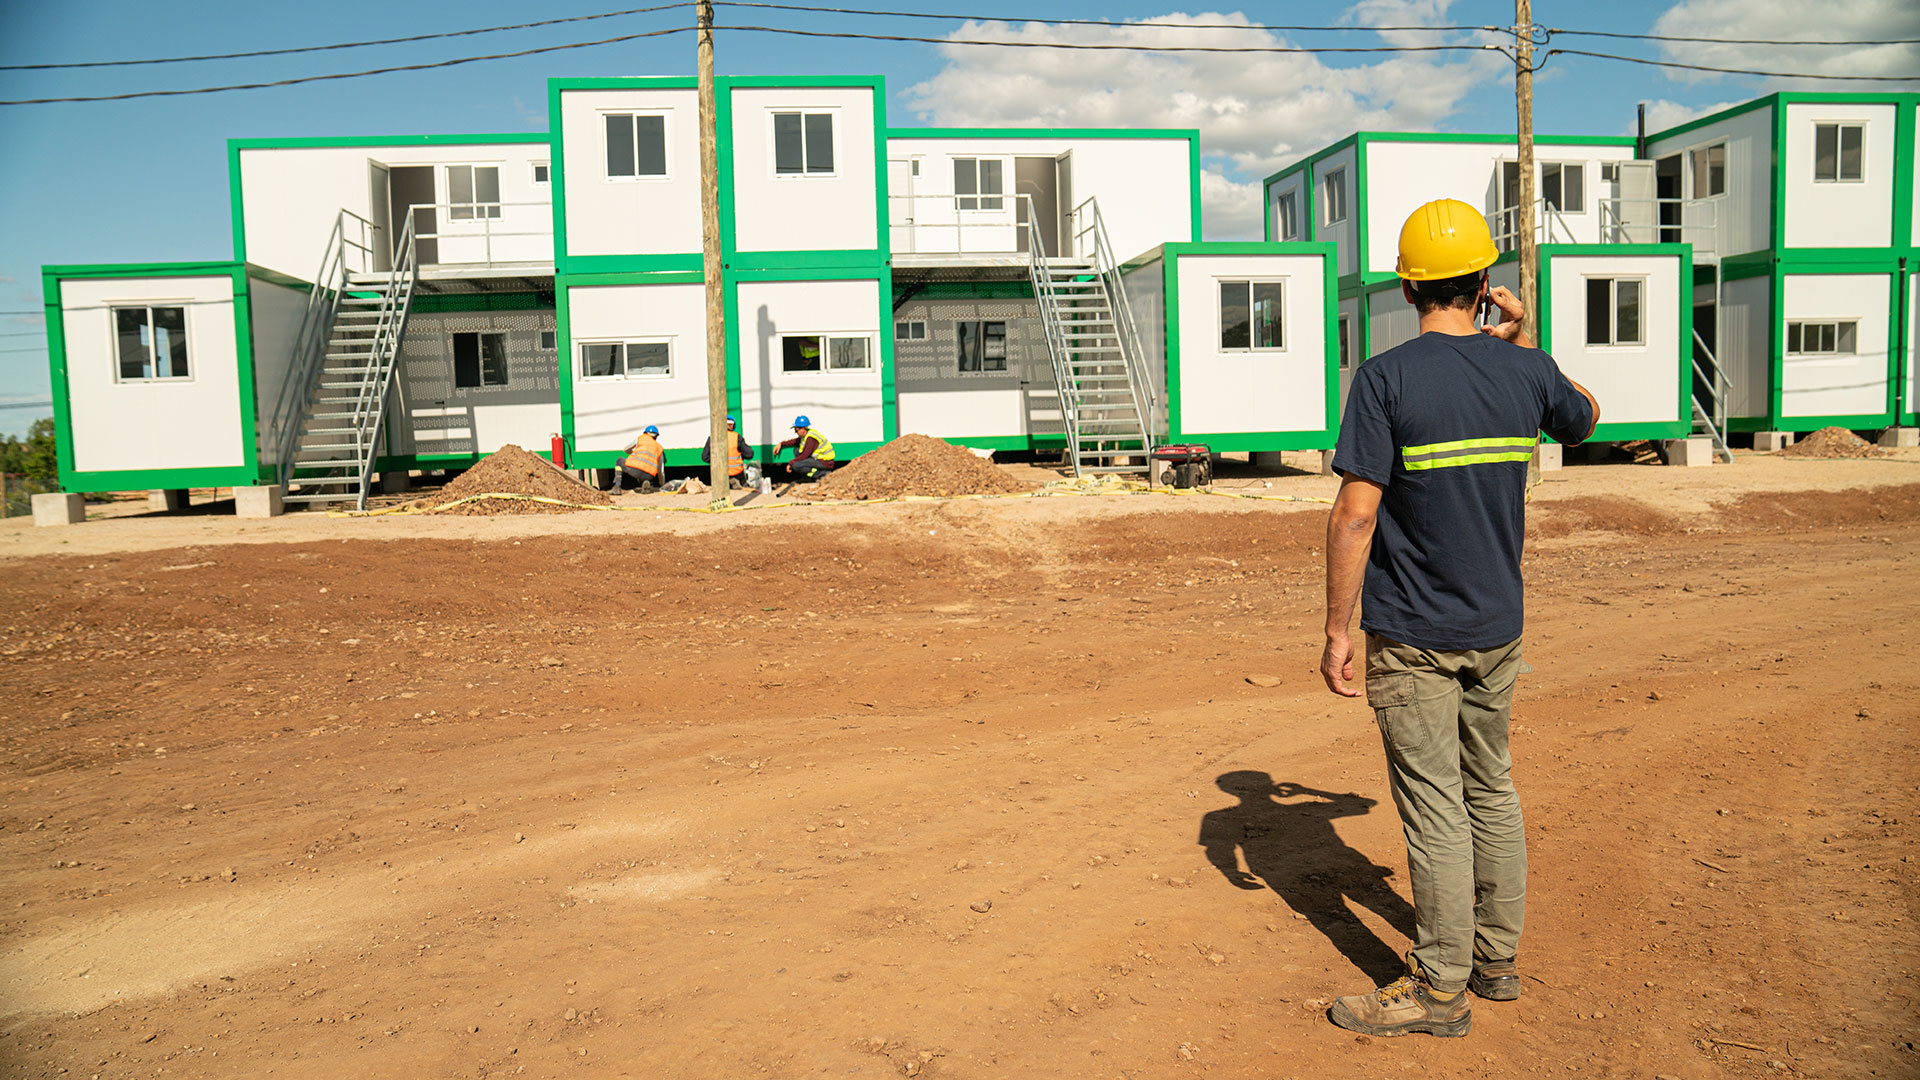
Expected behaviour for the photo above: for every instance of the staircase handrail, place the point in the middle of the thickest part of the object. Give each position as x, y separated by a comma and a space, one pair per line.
309, 348
487, 233
369, 408
1039, 272
1139, 380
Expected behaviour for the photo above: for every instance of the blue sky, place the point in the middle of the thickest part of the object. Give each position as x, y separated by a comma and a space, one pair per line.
145, 181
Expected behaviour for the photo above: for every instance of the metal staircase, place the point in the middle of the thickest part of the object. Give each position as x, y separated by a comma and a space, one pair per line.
329, 455
1106, 394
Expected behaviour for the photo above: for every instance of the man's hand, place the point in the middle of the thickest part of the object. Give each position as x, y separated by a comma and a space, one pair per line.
1512, 314
1336, 665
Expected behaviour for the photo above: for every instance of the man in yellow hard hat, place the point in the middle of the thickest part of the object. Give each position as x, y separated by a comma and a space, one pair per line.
1433, 456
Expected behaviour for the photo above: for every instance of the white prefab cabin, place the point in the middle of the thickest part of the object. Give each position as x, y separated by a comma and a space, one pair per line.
416, 302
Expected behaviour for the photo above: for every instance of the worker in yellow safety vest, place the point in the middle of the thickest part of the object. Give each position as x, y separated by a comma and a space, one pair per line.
644, 463
739, 452
812, 453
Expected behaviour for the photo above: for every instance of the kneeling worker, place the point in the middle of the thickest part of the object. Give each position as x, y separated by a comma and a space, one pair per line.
812, 453
644, 464
738, 453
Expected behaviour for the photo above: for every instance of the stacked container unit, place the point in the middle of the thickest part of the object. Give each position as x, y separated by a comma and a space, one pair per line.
1358, 192
1813, 200
803, 244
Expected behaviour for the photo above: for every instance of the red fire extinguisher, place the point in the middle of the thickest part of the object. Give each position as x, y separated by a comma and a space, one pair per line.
559, 451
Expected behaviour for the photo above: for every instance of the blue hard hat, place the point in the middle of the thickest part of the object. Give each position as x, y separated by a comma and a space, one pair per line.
651, 430
730, 419
802, 422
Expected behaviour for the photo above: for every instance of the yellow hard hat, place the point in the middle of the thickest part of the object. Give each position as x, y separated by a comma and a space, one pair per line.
1443, 239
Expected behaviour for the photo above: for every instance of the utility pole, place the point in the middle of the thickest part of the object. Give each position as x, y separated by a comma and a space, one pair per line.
1523, 217
710, 247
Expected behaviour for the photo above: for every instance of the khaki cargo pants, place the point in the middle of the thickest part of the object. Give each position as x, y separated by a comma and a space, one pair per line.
1443, 717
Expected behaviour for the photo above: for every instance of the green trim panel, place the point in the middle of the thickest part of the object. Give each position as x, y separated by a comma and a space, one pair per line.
628, 264
427, 303
156, 479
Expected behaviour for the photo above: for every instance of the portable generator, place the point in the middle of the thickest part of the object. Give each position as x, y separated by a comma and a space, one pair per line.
1187, 465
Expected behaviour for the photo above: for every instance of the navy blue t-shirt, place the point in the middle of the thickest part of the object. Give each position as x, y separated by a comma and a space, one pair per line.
1447, 425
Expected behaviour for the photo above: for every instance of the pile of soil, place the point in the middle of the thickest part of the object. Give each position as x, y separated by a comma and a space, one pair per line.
513, 471
1832, 442
916, 465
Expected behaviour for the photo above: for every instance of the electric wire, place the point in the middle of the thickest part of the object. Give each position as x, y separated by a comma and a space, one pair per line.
1728, 41
1734, 71
1110, 48
354, 74
341, 45
1088, 22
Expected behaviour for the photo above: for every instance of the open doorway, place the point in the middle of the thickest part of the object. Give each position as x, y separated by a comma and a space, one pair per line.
412, 186
1039, 213
1666, 187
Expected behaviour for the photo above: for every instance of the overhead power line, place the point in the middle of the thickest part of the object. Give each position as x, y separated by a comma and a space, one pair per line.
341, 45
1086, 22
1733, 71
1730, 41
354, 74
1114, 48
27, 404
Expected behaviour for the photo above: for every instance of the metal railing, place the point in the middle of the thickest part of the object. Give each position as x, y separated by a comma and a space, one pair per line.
310, 340
483, 222
1050, 323
370, 405
1653, 221
1003, 229
1090, 241
1550, 226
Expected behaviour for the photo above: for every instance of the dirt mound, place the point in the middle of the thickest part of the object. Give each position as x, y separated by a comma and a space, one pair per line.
513, 471
1832, 442
1606, 513
916, 465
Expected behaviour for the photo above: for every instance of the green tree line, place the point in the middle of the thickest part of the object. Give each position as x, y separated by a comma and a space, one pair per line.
33, 456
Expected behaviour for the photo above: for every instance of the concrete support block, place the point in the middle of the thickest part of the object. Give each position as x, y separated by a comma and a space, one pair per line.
1900, 436
1768, 441
1326, 463
59, 508
1267, 459
257, 502
395, 481
167, 499
1690, 453
1548, 457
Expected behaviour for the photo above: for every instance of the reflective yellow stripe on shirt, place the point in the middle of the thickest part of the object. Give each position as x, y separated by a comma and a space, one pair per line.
1444, 455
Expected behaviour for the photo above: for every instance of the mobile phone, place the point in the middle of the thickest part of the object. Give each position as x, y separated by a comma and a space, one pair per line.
1485, 312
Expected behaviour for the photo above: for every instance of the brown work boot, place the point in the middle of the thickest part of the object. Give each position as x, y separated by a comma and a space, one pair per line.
1405, 1006
1495, 980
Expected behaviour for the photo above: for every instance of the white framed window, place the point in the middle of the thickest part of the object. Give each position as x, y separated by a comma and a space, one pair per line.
910, 330
1250, 315
1333, 191
1709, 170
1835, 337
803, 144
479, 360
473, 192
981, 346
1346, 346
1610, 172
542, 172
1286, 216
636, 146
1563, 186
980, 183
1616, 311
1839, 153
825, 352
643, 358
150, 342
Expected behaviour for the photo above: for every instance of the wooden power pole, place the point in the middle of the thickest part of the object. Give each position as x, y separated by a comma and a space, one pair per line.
1523, 216
710, 247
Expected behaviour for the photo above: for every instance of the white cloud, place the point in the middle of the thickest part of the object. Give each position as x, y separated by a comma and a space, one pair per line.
1794, 20
9, 279
1256, 112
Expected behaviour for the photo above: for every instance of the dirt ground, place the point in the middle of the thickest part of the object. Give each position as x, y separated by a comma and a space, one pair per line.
954, 789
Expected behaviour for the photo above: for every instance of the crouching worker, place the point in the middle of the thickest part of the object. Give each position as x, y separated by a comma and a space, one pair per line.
812, 453
644, 464
738, 453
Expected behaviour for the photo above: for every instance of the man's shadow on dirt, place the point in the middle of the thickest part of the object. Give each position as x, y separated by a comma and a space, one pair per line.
1292, 848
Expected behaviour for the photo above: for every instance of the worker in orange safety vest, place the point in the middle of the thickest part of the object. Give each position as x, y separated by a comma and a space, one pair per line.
739, 452
644, 463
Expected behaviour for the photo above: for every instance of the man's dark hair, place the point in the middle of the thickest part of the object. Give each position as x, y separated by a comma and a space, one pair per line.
1457, 292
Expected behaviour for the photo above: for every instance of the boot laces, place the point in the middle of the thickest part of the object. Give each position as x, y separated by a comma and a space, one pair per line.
1394, 991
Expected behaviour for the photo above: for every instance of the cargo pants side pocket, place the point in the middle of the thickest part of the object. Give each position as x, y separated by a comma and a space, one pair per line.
1390, 693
